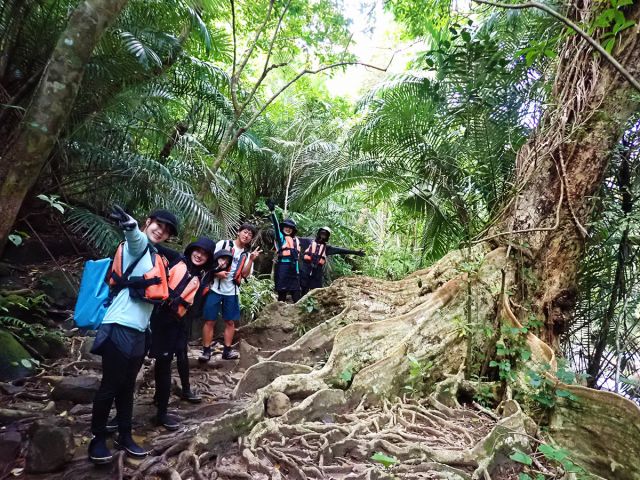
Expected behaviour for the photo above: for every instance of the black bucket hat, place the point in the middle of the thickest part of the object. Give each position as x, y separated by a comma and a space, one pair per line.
289, 222
165, 216
205, 244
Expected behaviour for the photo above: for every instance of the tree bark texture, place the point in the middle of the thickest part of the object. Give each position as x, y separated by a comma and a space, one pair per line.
562, 166
29, 149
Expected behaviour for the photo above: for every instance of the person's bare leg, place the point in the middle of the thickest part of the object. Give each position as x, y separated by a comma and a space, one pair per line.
229, 331
207, 333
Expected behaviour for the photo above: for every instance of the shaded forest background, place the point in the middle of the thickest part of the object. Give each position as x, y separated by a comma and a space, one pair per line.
183, 105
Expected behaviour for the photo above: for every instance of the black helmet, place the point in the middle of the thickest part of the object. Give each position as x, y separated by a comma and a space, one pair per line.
289, 222
324, 229
222, 253
165, 216
205, 244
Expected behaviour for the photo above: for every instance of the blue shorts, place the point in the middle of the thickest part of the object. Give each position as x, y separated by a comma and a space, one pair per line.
215, 303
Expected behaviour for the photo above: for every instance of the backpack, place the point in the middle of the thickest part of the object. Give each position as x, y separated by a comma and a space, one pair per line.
103, 279
93, 297
237, 276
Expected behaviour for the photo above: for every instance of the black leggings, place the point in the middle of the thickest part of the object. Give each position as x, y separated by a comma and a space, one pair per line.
182, 360
295, 295
162, 372
118, 383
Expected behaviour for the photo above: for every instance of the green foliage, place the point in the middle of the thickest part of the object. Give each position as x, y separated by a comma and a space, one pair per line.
346, 375
383, 459
308, 305
419, 375
255, 294
53, 201
511, 351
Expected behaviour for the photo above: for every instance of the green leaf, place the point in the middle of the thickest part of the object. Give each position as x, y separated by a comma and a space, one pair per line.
521, 457
346, 375
466, 36
15, 239
383, 459
552, 453
524, 476
608, 45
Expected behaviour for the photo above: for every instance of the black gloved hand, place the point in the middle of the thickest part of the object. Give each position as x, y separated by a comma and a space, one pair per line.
125, 221
270, 205
360, 253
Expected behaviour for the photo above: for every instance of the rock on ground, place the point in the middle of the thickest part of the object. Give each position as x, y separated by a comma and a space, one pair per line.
278, 404
76, 389
12, 355
50, 447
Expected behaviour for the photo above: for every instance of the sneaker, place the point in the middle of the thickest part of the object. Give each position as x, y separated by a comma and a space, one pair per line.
132, 449
98, 451
112, 425
169, 422
206, 355
230, 354
190, 396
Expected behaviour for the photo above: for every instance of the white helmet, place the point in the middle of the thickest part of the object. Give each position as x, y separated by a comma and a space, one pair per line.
326, 229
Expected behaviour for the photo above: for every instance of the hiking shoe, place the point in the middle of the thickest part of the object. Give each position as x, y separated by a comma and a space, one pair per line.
190, 396
230, 354
206, 355
169, 422
131, 448
98, 451
112, 425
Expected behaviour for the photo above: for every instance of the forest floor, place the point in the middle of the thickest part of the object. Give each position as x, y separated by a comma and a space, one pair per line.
358, 444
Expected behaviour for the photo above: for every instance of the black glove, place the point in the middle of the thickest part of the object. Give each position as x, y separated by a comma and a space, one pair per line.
125, 221
360, 253
270, 205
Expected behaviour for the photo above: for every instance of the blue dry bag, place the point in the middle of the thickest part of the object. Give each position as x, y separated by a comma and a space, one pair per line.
93, 298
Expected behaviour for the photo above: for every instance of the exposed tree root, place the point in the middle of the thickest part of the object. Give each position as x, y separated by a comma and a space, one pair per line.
341, 414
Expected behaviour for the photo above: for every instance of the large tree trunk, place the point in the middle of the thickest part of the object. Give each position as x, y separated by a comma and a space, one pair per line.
563, 164
27, 152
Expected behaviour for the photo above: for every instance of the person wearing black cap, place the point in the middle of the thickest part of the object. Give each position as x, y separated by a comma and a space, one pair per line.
316, 250
286, 275
171, 322
121, 338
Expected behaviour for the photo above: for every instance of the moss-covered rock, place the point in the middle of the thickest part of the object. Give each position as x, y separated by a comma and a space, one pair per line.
14, 359
58, 287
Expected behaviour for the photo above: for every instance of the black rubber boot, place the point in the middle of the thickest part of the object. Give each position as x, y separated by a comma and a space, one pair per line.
112, 425
190, 396
99, 453
133, 450
169, 422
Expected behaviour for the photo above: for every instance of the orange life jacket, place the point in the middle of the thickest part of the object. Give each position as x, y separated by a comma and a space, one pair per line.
183, 288
242, 261
151, 287
316, 253
290, 248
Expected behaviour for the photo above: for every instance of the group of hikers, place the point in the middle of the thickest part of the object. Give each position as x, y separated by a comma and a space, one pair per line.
157, 292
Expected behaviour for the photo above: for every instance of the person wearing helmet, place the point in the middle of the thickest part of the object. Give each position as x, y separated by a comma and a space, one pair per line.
223, 296
286, 274
316, 250
171, 322
121, 338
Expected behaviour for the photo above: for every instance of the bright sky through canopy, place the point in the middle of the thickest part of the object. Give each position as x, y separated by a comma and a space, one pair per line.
376, 37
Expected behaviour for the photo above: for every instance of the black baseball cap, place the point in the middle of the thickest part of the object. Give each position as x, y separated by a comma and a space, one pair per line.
165, 216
